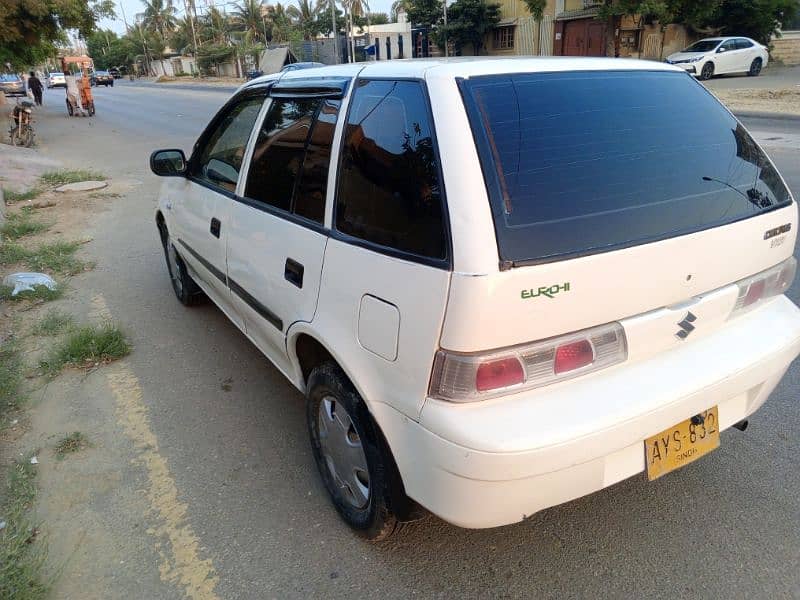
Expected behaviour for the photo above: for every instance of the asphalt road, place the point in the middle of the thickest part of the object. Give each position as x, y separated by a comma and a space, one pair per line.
725, 527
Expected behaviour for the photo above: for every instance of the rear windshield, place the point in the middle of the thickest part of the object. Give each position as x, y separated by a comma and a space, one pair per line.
9, 78
582, 162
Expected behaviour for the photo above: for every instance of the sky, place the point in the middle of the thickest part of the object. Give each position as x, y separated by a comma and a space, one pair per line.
132, 7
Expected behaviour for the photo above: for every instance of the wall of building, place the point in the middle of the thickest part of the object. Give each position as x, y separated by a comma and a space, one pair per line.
786, 49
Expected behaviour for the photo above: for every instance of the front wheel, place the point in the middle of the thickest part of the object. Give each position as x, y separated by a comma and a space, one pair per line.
707, 72
354, 462
91, 108
70, 110
185, 288
755, 68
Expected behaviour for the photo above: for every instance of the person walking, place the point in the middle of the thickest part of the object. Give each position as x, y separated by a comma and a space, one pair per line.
35, 86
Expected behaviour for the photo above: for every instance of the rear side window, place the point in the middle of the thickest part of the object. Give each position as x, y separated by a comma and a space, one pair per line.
289, 169
389, 190
583, 162
742, 43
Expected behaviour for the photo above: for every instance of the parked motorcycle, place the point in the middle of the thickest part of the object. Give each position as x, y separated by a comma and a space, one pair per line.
21, 131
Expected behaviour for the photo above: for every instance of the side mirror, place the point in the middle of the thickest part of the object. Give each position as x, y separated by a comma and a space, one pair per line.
721, 49
168, 163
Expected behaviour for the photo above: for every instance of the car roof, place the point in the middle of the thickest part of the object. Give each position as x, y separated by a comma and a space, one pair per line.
467, 67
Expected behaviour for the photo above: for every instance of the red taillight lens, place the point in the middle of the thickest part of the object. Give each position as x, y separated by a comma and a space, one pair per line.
573, 356
498, 374
754, 292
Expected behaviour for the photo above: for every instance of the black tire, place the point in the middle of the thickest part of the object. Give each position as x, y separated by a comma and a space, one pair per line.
755, 68
376, 520
69, 108
111, 84
707, 72
185, 288
91, 108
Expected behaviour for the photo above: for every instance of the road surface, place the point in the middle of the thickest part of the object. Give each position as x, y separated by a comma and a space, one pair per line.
233, 436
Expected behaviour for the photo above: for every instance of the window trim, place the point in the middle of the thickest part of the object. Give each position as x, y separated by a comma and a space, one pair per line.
445, 263
245, 94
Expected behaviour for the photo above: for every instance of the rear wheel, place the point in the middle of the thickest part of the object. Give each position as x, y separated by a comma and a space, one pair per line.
707, 72
755, 67
91, 108
22, 136
69, 108
354, 463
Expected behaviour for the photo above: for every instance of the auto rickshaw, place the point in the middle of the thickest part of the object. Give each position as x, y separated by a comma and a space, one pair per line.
80, 99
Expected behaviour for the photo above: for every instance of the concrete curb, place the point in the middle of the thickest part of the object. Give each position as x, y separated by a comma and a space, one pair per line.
752, 114
186, 86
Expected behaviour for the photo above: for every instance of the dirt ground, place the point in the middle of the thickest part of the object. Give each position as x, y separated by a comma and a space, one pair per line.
784, 100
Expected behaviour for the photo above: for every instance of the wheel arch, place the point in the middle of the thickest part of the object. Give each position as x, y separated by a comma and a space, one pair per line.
306, 351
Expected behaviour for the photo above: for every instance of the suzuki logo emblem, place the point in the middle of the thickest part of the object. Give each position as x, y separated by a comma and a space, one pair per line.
686, 326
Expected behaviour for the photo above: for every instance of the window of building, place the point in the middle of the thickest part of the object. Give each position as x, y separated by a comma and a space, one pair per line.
504, 37
389, 189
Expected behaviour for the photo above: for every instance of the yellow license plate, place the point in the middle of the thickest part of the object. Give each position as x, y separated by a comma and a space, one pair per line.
682, 444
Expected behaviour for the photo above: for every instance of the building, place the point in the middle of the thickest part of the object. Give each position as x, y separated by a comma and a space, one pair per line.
393, 40
519, 33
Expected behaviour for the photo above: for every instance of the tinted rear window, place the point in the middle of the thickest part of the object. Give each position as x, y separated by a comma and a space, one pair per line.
583, 162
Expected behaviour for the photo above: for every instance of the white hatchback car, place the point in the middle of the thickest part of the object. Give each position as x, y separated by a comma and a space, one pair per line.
56, 80
718, 56
501, 284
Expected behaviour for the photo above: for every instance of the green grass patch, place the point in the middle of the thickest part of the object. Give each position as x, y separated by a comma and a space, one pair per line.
11, 196
74, 442
54, 322
64, 176
21, 224
39, 292
87, 346
22, 553
11, 374
55, 257
12, 253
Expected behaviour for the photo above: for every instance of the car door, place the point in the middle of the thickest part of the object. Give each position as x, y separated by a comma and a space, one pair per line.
277, 239
726, 59
746, 52
200, 204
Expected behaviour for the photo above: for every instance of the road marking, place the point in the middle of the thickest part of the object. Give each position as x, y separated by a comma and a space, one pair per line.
180, 560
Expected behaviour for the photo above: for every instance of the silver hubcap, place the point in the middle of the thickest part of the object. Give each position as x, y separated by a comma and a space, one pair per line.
343, 453
174, 271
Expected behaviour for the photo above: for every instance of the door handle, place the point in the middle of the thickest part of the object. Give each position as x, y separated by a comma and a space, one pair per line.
215, 227
293, 272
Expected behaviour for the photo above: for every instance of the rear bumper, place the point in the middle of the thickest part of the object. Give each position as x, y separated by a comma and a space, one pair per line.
484, 488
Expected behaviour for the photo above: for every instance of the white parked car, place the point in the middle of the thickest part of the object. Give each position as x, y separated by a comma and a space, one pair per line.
718, 56
500, 284
56, 80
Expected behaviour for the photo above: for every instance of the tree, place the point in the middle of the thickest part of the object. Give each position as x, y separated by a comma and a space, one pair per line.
427, 13
159, 17
30, 30
757, 19
468, 22
536, 8
246, 18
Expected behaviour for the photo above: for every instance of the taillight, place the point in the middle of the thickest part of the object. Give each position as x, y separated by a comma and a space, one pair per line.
470, 377
766, 284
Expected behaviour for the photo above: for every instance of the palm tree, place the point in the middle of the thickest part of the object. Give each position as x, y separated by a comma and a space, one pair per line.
246, 18
159, 17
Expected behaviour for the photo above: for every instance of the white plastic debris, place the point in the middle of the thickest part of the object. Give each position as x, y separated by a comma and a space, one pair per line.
34, 460
2, 525
24, 282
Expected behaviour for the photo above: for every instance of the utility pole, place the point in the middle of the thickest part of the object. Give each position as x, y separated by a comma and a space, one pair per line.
335, 31
444, 8
188, 6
